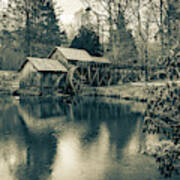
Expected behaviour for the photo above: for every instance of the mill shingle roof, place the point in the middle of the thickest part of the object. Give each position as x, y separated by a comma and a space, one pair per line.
42, 64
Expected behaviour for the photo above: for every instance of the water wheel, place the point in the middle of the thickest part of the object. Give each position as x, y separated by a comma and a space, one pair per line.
101, 76
75, 79
105, 77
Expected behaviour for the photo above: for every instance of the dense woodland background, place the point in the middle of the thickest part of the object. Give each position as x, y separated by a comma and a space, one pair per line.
126, 31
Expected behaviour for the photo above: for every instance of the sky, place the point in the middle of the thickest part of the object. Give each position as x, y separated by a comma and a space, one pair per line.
3, 3
69, 8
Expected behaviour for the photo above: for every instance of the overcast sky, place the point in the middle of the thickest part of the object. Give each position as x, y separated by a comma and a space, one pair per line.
69, 7
3, 3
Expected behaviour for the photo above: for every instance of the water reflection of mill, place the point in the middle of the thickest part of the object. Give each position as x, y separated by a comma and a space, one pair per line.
43, 139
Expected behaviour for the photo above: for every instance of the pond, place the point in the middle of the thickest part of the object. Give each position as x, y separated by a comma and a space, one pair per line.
80, 139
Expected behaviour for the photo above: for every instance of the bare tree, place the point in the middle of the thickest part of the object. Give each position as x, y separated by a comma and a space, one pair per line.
107, 13
141, 14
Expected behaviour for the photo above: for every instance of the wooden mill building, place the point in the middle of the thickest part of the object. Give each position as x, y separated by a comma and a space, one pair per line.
41, 73
80, 64
65, 68
72, 56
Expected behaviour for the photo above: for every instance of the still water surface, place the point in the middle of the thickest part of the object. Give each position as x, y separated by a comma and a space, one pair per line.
86, 139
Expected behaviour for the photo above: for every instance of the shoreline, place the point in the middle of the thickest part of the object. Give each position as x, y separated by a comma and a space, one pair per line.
134, 91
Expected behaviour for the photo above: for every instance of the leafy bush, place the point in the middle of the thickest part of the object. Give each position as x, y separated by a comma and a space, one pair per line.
172, 63
162, 117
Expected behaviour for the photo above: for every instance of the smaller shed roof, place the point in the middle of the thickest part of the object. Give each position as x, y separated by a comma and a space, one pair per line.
42, 64
74, 54
100, 60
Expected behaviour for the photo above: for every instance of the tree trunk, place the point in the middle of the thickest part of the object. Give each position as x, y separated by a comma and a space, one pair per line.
168, 24
27, 35
146, 62
161, 28
110, 26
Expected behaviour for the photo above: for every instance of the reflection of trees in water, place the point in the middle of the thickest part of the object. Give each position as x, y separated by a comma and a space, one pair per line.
28, 155
41, 150
10, 120
12, 143
39, 144
90, 113
40, 108
119, 118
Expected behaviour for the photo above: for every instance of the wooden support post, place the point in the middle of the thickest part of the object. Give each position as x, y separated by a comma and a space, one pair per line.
89, 74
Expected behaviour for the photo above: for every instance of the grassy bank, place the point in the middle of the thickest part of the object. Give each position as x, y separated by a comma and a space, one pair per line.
129, 91
8, 82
